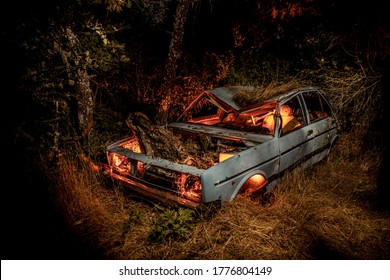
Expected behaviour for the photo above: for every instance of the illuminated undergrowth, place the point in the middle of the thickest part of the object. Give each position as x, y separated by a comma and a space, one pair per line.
327, 211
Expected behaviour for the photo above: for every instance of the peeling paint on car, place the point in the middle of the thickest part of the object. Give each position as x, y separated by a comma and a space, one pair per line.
250, 147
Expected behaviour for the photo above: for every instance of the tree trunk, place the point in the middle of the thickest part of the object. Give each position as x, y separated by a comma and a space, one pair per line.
85, 102
173, 57
77, 72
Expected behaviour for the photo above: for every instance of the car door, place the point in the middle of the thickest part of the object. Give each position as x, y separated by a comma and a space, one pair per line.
322, 122
296, 144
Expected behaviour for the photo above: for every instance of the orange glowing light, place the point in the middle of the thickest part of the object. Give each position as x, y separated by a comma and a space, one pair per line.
254, 183
117, 159
224, 156
133, 145
269, 122
257, 179
189, 187
287, 115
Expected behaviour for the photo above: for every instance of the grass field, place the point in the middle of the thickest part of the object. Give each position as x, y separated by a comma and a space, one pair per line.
329, 211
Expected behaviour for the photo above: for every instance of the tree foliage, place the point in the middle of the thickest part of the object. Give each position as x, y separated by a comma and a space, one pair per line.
140, 54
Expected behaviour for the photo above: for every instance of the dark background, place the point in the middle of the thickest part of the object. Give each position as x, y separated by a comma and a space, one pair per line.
32, 229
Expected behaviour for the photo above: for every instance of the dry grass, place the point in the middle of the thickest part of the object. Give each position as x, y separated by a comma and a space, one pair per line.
356, 97
327, 211
330, 210
248, 96
90, 210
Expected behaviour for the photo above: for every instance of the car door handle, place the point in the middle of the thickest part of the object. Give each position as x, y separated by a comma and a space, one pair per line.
309, 132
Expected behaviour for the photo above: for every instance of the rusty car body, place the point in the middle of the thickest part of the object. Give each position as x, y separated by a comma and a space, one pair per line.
248, 147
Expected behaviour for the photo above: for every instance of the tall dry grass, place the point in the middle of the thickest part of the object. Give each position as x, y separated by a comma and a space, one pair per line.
356, 97
327, 211
96, 214
249, 96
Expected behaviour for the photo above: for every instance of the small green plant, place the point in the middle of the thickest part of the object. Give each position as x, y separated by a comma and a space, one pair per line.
135, 218
172, 224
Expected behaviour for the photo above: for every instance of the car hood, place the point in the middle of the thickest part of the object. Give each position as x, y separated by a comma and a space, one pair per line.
222, 133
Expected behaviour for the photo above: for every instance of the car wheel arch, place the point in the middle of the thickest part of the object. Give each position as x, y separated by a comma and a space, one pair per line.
246, 179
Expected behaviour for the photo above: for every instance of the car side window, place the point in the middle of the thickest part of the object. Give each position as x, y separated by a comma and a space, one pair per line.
292, 115
317, 107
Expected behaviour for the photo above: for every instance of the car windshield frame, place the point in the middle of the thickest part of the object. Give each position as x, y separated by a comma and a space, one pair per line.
229, 116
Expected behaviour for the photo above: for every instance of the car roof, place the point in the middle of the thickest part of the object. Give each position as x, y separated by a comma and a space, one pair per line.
226, 94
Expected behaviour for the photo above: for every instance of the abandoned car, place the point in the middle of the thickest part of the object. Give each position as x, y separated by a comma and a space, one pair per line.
220, 147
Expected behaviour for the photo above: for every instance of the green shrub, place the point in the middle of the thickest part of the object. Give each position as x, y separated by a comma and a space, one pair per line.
172, 224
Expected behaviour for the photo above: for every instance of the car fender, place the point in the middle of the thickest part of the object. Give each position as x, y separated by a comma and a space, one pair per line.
223, 181
246, 178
